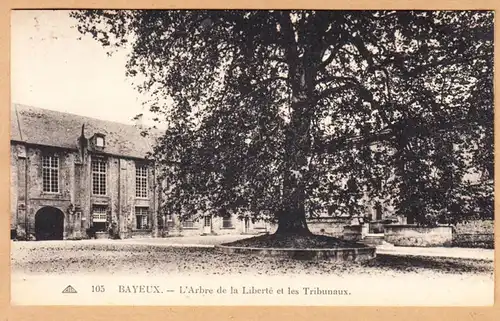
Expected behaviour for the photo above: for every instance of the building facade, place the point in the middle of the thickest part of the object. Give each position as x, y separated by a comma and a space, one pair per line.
211, 225
75, 177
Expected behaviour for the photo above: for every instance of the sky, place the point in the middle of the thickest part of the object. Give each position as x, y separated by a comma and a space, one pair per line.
52, 69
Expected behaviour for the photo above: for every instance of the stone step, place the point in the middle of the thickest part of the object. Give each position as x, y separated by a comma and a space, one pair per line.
373, 239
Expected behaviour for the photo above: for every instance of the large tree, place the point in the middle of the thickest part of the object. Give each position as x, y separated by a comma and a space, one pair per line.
278, 112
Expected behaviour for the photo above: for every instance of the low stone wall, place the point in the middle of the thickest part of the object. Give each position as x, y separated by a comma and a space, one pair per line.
474, 234
347, 254
141, 234
412, 235
486, 241
331, 226
475, 227
374, 239
376, 227
352, 232
102, 235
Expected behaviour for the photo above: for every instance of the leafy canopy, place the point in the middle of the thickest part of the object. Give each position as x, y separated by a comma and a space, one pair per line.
396, 106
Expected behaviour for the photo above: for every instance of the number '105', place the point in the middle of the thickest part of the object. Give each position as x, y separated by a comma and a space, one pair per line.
98, 288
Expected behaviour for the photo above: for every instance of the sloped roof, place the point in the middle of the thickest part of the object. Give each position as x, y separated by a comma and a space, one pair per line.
39, 126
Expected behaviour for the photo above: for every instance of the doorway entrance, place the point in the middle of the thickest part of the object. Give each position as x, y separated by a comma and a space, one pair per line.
207, 225
246, 227
49, 224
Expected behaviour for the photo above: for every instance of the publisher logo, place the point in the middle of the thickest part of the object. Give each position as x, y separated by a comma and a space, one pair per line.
69, 289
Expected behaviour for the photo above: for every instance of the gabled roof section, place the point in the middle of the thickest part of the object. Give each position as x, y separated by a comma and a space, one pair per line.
53, 128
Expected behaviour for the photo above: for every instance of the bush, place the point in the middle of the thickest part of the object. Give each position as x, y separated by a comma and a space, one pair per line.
91, 232
113, 232
21, 234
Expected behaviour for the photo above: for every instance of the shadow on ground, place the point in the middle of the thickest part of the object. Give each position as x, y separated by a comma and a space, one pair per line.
131, 259
414, 263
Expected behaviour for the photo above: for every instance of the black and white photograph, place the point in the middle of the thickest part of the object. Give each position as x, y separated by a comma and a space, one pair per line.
252, 157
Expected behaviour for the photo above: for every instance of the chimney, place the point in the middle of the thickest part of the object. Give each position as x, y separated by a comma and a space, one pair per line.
82, 144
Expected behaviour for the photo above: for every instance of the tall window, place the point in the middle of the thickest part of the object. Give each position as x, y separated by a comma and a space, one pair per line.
141, 218
98, 176
141, 181
99, 217
165, 221
188, 223
50, 174
227, 222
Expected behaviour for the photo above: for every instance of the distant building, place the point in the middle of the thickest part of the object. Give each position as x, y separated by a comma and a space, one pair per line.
75, 177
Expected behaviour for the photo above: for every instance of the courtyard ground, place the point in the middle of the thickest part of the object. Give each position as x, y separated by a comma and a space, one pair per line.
196, 254
386, 249
387, 280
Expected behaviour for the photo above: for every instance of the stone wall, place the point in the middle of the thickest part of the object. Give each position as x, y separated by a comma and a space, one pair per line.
36, 198
331, 226
353, 232
120, 198
474, 234
486, 241
14, 183
412, 235
358, 254
75, 197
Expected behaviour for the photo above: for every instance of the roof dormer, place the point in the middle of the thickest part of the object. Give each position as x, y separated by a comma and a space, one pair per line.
98, 141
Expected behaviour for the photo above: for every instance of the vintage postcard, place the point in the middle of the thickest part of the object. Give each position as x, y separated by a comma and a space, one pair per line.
252, 157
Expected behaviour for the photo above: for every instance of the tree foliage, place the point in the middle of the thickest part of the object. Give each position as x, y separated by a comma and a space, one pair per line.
295, 113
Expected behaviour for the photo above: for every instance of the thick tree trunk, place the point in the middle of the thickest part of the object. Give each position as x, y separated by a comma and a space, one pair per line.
292, 222
302, 74
292, 217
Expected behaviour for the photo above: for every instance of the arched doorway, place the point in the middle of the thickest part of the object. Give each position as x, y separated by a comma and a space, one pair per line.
49, 224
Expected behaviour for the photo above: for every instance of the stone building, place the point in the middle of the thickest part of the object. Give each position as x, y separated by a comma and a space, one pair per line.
211, 225
72, 174
75, 177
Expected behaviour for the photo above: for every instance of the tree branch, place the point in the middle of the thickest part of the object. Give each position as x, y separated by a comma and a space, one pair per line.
340, 78
331, 57
269, 80
448, 62
333, 90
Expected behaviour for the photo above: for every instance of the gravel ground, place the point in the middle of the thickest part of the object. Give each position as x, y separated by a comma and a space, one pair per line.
186, 240
132, 259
